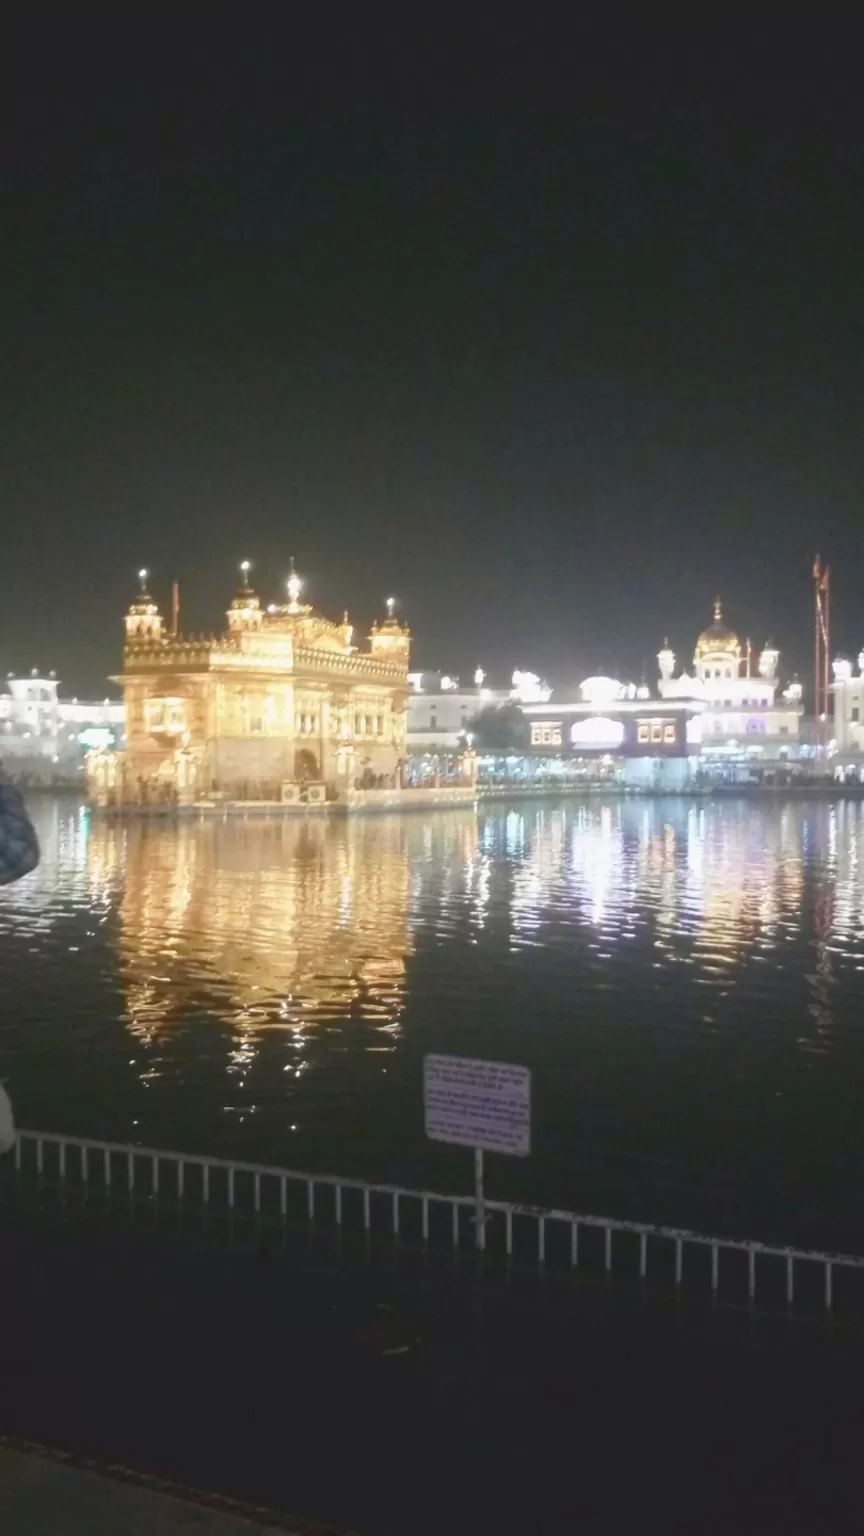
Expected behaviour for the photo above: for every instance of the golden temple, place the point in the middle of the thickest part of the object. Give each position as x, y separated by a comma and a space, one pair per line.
282, 704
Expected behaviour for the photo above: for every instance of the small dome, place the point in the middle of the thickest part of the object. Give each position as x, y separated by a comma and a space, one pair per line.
143, 605
717, 638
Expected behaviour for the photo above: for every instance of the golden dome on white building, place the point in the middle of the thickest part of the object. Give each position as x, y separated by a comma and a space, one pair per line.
717, 640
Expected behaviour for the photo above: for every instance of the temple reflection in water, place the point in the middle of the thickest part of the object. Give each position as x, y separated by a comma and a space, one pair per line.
302, 931
273, 924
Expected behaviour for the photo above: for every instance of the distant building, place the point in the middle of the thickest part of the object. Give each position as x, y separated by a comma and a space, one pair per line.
848, 727
721, 722
45, 738
741, 717
617, 730
283, 698
440, 710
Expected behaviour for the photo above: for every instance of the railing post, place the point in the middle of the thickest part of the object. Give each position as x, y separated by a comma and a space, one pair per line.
574, 1243
479, 1202
541, 1240
829, 1298
107, 1166
130, 1170
643, 1254
61, 1155
425, 1218
395, 1213
181, 1179
231, 1188
455, 1224
367, 1209
310, 1199
715, 1266
40, 1155
205, 1181
751, 1272
155, 1174
679, 1260
338, 1205
257, 1191
283, 1195
85, 1165
790, 1279
608, 1255
18, 1146
508, 1224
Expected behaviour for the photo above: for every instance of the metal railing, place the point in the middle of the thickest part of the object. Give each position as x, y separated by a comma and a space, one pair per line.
525, 1231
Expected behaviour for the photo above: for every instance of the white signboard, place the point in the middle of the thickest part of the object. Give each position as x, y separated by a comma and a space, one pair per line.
485, 1104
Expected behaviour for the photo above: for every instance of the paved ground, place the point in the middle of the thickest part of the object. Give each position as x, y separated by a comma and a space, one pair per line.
42, 1494
403, 1401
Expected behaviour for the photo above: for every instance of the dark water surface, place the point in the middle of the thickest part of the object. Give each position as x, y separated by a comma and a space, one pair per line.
684, 979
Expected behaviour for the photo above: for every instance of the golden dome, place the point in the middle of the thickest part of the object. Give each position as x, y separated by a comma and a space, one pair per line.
717, 639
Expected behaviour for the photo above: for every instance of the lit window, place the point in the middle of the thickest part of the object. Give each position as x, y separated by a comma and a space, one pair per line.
656, 731
856, 714
669, 733
644, 732
545, 734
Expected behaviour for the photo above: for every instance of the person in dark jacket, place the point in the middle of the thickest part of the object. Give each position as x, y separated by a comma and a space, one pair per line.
19, 855
19, 848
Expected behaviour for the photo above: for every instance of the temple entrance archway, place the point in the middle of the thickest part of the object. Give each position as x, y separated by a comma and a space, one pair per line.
305, 765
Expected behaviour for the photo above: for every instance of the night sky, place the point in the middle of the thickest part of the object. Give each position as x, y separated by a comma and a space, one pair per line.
553, 341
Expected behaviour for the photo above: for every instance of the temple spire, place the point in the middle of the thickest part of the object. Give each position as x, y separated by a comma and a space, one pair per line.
294, 585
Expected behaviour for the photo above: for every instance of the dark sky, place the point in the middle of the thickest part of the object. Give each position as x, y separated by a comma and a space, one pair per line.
551, 339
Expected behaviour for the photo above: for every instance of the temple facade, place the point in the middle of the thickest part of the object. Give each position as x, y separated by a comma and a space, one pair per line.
281, 705
741, 709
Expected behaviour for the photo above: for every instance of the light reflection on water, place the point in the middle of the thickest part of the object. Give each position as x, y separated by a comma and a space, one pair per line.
683, 978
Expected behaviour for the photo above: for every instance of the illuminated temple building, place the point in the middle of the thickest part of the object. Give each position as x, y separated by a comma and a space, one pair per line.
282, 702
728, 720
740, 707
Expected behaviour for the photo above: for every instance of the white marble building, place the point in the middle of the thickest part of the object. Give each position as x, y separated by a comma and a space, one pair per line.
38, 729
440, 709
741, 710
848, 691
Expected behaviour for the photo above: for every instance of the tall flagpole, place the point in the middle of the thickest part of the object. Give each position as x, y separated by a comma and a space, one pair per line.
826, 647
821, 655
